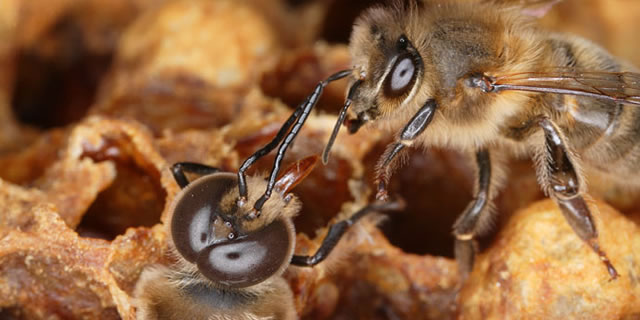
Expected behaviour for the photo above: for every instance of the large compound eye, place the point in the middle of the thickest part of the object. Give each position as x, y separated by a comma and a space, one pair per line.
194, 213
401, 76
245, 262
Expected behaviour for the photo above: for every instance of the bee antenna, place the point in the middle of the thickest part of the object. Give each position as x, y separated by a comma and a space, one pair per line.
242, 184
341, 116
303, 112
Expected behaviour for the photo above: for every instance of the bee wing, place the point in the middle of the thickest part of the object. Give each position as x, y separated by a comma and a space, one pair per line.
532, 3
623, 87
533, 8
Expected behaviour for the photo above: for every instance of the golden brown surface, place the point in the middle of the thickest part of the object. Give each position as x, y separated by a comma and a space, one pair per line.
539, 267
98, 98
171, 81
613, 24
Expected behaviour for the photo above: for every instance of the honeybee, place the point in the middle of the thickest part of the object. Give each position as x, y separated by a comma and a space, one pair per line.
481, 77
229, 265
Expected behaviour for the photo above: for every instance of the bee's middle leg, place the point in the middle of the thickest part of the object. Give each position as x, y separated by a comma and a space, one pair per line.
563, 185
475, 215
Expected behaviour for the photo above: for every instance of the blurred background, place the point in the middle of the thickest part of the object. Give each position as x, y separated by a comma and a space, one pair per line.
55, 53
185, 65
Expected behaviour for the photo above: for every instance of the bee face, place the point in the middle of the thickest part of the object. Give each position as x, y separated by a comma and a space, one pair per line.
229, 261
387, 61
214, 237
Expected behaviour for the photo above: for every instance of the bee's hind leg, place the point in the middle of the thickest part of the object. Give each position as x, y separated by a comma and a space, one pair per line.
564, 187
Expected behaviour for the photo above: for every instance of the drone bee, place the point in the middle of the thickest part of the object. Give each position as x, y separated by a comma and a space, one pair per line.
229, 264
481, 77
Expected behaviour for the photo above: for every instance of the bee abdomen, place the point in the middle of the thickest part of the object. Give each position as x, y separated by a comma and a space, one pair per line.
618, 151
605, 133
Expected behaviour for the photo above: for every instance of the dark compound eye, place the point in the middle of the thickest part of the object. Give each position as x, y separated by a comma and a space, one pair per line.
401, 76
194, 212
250, 260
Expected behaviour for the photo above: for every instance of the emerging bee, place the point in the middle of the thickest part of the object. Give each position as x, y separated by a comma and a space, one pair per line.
229, 266
481, 77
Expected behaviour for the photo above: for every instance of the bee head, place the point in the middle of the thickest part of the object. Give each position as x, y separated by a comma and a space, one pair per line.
387, 67
210, 231
387, 62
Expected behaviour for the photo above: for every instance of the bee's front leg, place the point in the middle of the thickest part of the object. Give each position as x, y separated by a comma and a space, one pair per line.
386, 165
338, 229
389, 160
564, 186
178, 170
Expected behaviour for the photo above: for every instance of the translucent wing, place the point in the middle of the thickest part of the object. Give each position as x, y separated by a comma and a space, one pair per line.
538, 2
623, 87
534, 8
528, 3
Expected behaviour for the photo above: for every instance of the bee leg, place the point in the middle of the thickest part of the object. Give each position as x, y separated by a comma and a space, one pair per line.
564, 187
304, 111
178, 170
338, 229
388, 162
467, 225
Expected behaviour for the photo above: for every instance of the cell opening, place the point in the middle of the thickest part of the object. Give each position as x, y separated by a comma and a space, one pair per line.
57, 80
135, 198
437, 186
